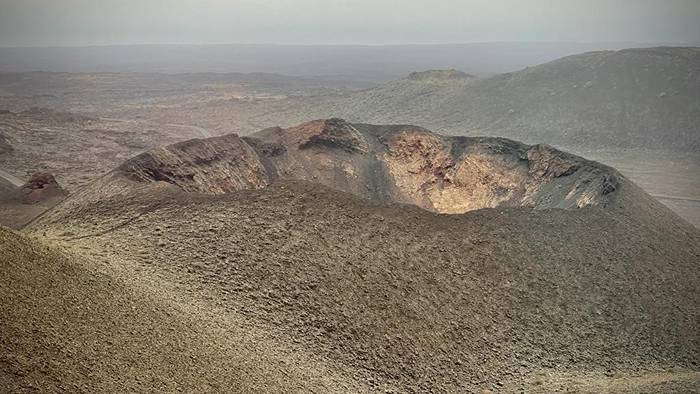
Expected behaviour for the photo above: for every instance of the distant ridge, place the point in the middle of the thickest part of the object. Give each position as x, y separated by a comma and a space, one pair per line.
631, 98
442, 75
378, 63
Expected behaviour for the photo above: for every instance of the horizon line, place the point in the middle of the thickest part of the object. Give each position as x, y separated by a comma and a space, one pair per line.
164, 44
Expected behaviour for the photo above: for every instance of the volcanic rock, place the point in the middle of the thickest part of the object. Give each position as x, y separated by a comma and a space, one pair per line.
306, 232
41, 187
215, 165
405, 164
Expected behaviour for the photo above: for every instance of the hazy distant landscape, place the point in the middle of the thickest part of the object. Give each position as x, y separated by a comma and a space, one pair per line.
360, 196
584, 103
361, 63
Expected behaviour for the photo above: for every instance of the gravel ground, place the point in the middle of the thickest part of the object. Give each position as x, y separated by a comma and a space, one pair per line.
77, 324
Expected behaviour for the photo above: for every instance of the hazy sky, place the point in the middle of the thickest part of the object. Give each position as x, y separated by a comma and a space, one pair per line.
98, 22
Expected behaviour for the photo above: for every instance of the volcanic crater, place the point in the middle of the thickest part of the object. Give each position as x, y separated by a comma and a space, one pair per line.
304, 235
402, 164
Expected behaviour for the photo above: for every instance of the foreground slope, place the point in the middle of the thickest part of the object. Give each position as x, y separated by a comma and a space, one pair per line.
419, 300
500, 298
71, 323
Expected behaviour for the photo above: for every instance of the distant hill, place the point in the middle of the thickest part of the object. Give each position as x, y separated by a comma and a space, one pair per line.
440, 75
358, 62
630, 98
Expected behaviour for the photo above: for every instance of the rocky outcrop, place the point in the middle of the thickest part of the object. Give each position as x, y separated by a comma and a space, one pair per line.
214, 165
41, 187
332, 133
20, 205
405, 164
456, 175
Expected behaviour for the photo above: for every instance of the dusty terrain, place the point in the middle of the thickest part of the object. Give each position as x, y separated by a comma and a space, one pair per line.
337, 256
180, 225
76, 149
671, 177
229, 289
636, 98
633, 98
21, 202
204, 100
81, 323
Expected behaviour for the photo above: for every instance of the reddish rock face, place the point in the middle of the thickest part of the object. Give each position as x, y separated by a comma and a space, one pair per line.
41, 187
405, 164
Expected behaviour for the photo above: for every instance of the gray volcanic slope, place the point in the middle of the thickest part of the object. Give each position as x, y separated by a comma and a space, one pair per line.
630, 98
505, 298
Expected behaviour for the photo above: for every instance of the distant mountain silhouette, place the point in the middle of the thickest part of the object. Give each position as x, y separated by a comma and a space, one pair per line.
629, 98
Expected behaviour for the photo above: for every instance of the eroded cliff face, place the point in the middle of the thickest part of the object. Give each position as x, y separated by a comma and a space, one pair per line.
443, 175
213, 165
456, 175
331, 152
405, 164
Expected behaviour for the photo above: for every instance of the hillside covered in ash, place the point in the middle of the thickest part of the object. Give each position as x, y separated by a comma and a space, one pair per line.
632, 98
569, 276
405, 164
